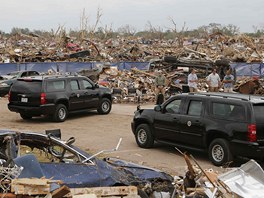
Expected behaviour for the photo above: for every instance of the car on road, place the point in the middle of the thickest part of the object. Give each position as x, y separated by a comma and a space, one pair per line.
7, 80
47, 155
4, 87
57, 96
225, 125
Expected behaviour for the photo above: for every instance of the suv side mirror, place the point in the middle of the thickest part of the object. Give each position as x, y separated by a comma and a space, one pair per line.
157, 108
96, 85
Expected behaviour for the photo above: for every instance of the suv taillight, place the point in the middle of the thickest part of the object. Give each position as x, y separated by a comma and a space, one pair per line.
252, 133
9, 96
43, 98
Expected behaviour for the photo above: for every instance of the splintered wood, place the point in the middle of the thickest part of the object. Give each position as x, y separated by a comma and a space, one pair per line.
122, 191
26, 186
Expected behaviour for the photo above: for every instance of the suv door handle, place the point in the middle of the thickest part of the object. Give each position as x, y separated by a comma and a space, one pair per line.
175, 119
197, 122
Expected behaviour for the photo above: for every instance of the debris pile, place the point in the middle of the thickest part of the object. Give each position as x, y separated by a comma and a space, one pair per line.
244, 181
126, 85
28, 175
168, 55
58, 46
248, 85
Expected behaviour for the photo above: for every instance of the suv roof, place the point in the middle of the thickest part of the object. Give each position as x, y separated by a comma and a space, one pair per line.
245, 97
42, 77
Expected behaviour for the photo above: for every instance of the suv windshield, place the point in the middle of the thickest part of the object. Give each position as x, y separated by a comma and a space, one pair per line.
27, 86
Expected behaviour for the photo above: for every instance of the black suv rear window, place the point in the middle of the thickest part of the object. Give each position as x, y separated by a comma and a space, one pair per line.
27, 86
258, 112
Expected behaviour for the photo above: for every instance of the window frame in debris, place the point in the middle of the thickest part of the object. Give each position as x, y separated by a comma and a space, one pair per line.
44, 143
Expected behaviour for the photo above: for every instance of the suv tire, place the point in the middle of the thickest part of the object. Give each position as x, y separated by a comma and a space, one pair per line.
219, 152
60, 113
104, 106
144, 136
25, 117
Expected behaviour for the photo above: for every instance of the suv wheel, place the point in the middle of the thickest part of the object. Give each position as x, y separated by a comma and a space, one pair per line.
104, 106
25, 117
219, 152
144, 136
61, 113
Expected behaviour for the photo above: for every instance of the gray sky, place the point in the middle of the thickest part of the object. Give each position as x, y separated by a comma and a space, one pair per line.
49, 14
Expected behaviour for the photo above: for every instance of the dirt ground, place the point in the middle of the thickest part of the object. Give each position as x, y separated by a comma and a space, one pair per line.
94, 133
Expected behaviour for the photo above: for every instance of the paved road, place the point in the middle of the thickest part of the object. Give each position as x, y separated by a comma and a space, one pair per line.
95, 132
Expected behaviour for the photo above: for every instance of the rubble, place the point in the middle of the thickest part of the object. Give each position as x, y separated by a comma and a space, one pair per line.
59, 47
244, 181
34, 164
30, 181
247, 85
215, 50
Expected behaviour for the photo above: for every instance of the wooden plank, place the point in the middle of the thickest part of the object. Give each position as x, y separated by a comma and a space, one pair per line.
85, 196
7, 195
34, 186
60, 192
31, 181
106, 191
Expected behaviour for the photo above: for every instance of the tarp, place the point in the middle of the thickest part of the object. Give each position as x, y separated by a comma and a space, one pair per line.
6, 68
130, 65
64, 67
262, 69
248, 69
242, 69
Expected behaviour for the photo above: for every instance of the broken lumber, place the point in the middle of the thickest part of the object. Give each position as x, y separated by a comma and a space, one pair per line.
31, 186
107, 191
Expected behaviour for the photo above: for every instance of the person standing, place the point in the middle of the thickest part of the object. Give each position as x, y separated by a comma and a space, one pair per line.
228, 81
214, 82
192, 81
160, 82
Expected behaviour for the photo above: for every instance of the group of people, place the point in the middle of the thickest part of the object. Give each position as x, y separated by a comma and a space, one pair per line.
213, 80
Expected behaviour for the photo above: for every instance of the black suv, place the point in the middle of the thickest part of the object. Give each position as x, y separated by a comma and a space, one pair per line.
56, 96
224, 125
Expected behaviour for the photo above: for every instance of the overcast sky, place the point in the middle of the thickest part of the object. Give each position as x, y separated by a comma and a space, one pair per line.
49, 14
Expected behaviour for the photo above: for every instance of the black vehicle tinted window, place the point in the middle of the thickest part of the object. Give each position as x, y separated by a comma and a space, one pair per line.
195, 108
258, 112
74, 85
228, 111
55, 85
173, 107
33, 73
87, 84
27, 86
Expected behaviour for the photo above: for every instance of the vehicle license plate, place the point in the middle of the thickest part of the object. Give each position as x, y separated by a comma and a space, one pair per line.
24, 99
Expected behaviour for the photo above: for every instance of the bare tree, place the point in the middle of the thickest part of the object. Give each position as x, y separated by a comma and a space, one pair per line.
127, 30
178, 34
99, 14
84, 19
155, 32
